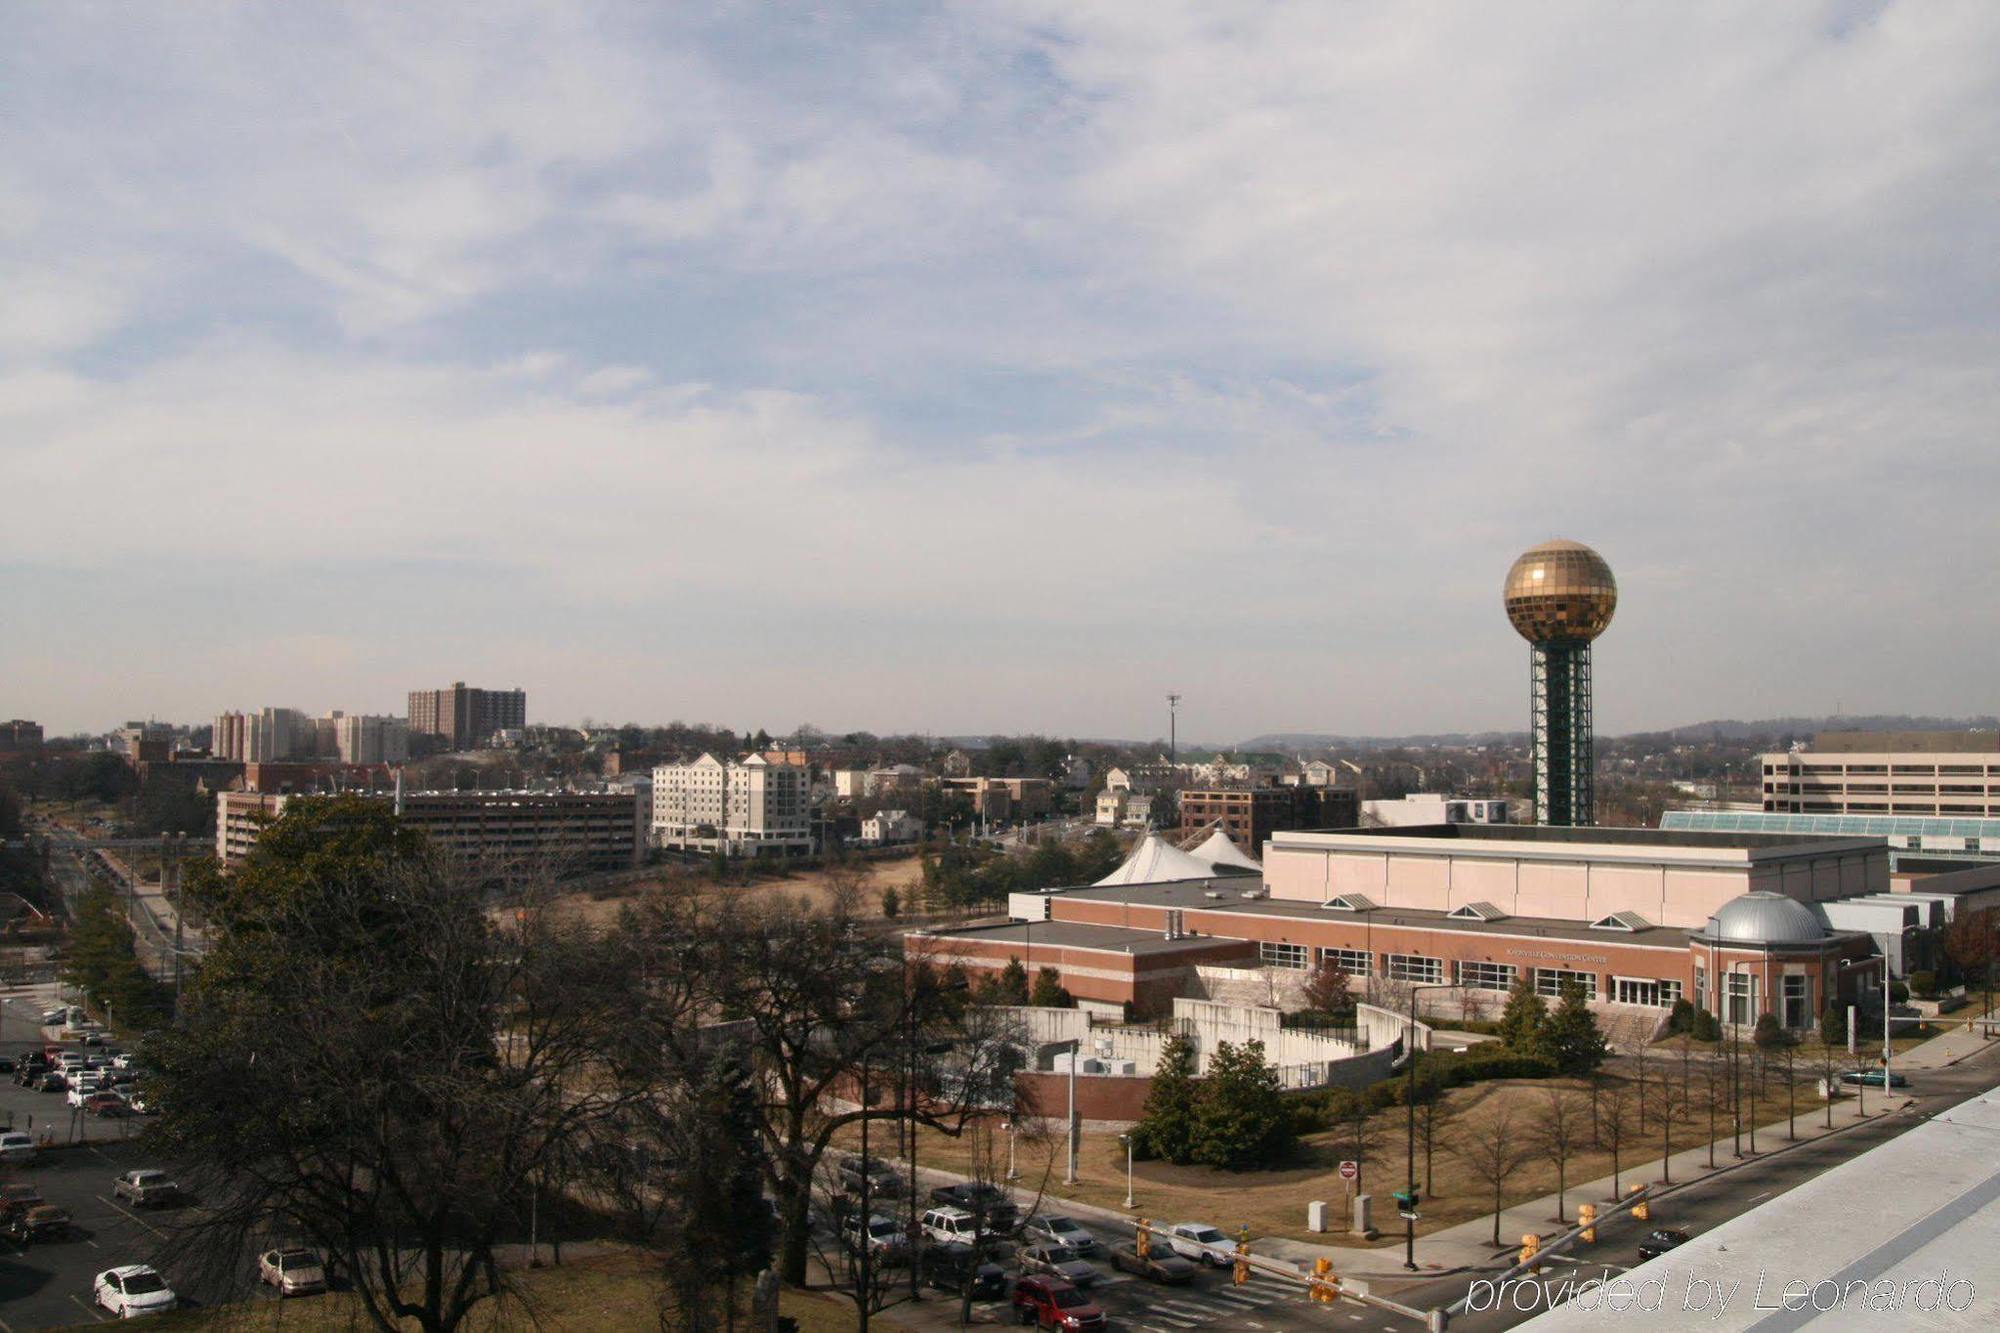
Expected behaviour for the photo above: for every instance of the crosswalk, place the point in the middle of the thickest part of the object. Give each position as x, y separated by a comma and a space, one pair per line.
1191, 1309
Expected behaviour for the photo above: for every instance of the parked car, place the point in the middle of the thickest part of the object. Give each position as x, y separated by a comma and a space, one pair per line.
1055, 1229
1659, 1242
148, 1186
6, 1064
107, 1104
1159, 1263
94, 1037
947, 1268
51, 1082
1872, 1078
132, 1290
293, 1272
18, 1198
42, 1222
124, 1060
16, 1146
1200, 1242
82, 1088
883, 1182
1048, 1302
884, 1235
140, 1103
1058, 1261
1002, 1214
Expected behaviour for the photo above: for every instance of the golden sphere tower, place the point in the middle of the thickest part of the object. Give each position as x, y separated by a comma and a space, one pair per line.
1560, 595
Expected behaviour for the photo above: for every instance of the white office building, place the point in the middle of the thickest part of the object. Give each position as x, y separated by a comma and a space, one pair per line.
372, 740
748, 807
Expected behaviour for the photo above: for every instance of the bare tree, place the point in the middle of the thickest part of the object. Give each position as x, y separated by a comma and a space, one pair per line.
1435, 1117
1357, 1132
1828, 1062
1617, 1125
1667, 1110
1714, 1097
401, 1067
1557, 1135
1494, 1152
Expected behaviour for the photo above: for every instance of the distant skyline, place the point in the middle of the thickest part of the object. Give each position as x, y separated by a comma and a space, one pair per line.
996, 369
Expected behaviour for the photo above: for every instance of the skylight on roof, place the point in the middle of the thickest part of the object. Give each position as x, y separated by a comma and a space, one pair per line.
1629, 922
1348, 902
1476, 912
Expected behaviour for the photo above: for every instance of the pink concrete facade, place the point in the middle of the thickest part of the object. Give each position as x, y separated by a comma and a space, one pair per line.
1667, 886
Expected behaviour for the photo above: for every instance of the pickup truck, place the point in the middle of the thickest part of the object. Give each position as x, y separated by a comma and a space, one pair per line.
1002, 1214
147, 1188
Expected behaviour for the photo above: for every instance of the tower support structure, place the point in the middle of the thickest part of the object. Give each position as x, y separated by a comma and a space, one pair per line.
1565, 752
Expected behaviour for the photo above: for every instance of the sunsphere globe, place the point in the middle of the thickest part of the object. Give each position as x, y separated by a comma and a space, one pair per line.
1560, 591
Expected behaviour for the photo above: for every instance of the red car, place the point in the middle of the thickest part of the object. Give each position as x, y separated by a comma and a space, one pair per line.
1048, 1302
107, 1104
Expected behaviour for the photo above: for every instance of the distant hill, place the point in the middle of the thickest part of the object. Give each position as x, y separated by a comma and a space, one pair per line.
1726, 729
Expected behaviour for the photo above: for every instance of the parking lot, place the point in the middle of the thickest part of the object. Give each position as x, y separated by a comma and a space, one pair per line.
48, 1284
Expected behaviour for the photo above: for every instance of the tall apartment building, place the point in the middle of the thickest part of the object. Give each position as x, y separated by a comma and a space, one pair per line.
371, 740
748, 807
572, 832
1937, 773
465, 715
265, 736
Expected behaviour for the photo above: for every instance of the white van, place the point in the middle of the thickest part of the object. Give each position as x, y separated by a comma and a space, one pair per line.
17, 1147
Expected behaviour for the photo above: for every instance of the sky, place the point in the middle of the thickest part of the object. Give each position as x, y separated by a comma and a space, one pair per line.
995, 367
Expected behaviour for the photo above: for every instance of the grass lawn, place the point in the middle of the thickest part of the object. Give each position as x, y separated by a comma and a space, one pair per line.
619, 1291
1273, 1202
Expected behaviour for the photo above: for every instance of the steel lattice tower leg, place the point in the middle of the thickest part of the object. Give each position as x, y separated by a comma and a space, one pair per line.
1565, 753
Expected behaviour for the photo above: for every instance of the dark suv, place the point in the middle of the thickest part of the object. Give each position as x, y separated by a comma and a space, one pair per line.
883, 1182
981, 1199
947, 1267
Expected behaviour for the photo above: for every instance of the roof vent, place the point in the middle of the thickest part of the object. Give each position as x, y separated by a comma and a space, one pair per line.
1213, 893
1252, 893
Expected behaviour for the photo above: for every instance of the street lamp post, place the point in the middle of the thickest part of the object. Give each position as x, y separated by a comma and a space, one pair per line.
1126, 1139
1409, 1209
1069, 1125
1881, 960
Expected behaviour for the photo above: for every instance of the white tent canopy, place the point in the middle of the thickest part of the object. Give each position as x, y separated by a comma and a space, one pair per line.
1157, 861
1223, 854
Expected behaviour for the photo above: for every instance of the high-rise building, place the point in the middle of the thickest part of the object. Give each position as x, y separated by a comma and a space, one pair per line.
265, 736
1560, 596
750, 807
465, 715
371, 740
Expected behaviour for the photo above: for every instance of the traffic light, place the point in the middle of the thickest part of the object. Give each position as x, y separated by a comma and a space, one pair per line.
1531, 1245
1586, 1217
1142, 1238
1640, 1212
1241, 1274
1323, 1285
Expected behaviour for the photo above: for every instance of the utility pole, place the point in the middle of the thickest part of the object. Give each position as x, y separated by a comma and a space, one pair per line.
1173, 728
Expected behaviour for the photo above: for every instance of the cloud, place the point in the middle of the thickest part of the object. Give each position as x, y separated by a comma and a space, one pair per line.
917, 372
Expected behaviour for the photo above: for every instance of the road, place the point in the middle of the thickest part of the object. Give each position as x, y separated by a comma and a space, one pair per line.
1709, 1202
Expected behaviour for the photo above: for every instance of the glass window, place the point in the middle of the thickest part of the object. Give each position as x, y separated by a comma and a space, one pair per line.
1413, 967
1354, 962
1283, 955
1798, 1002
1740, 1003
1549, 981
1487, 976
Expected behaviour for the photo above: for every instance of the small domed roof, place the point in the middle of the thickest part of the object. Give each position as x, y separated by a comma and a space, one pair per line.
1766, 918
